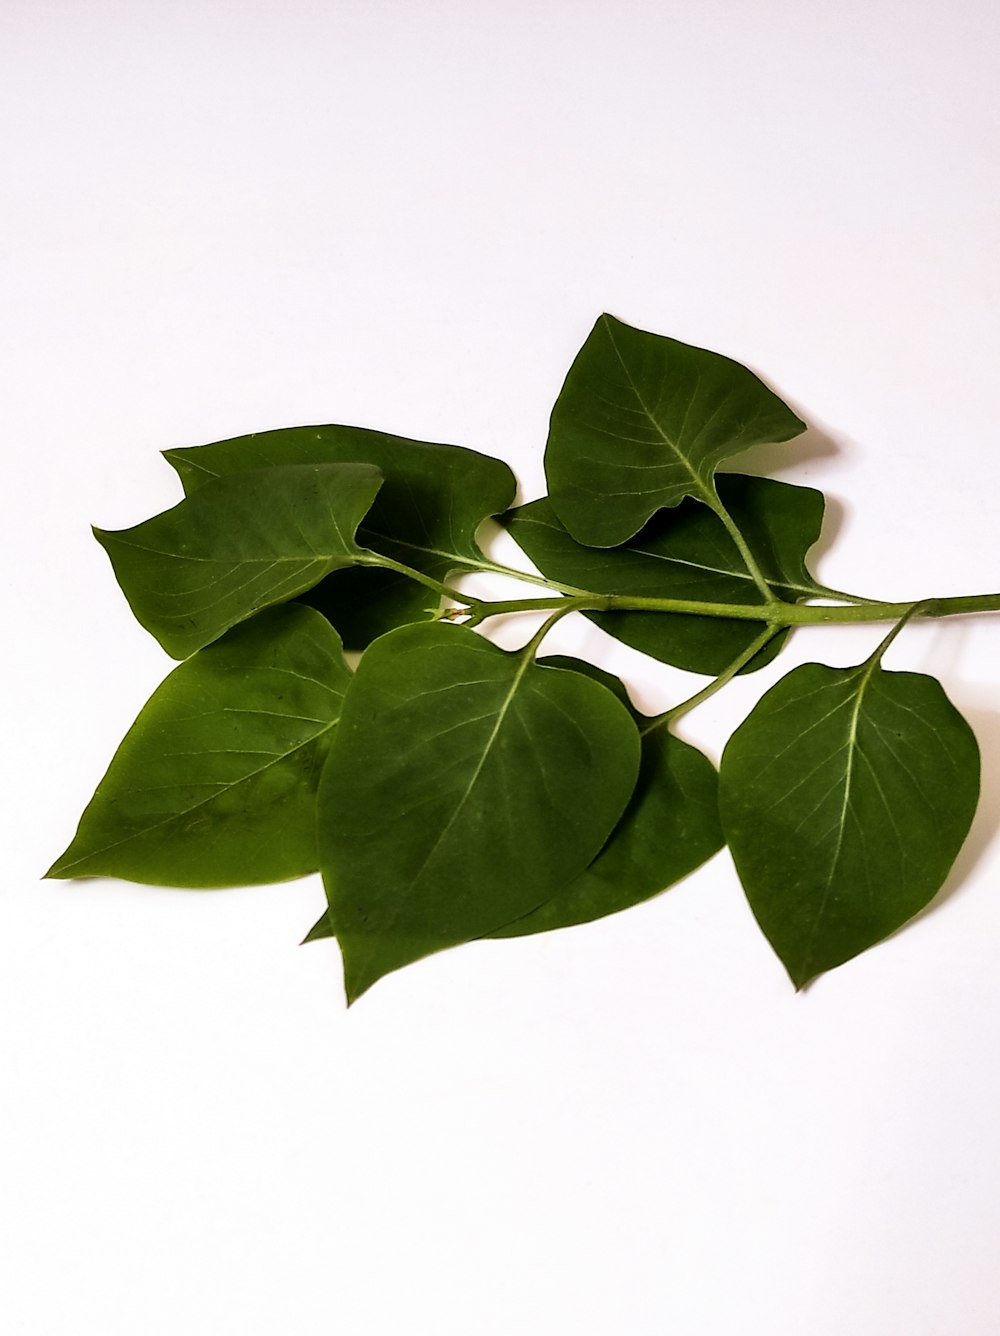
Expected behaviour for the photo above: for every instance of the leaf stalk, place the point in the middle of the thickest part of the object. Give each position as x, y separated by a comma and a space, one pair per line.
776, 614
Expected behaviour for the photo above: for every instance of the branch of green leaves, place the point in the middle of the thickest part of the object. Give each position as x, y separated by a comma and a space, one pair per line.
450, 790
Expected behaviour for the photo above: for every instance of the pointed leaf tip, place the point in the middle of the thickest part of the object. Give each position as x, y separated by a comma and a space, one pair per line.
237, 545
845, 797
643, 421
215, 782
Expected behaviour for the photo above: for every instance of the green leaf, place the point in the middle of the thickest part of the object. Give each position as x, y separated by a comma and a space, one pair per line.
687, 554
467, 785
669, 828
215, 783
845, 797
426, 515
643, 421
237, 545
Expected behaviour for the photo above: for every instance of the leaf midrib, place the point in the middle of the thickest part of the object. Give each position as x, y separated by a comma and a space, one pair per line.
522, 667
457, 557
807, 590
705, 491
851, 747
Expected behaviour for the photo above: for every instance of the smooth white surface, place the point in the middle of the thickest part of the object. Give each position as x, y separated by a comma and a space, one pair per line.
221, 218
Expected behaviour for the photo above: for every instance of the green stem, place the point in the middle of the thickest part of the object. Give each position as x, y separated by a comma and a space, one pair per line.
498, 609
805, 614
775, 614
713, 500
443, 590
531, 648
913, 611
717, 684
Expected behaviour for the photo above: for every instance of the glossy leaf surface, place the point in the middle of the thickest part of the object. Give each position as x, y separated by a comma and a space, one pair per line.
845, 797
643, 421
237, 545
466, 786
687, 553
433, 500
215, 783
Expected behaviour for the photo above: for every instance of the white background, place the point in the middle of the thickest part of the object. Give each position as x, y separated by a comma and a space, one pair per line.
221, 218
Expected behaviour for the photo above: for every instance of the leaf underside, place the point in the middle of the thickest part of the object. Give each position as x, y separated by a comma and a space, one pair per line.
845, 797
466, 786
642, 422
215, 782
237, 545
432, 502
686, 553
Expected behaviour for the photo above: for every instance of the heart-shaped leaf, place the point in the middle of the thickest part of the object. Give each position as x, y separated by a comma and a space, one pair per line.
687, 553
845, 797
215, 782
643, 421
432, 502
237, 545
466, 786
669, 827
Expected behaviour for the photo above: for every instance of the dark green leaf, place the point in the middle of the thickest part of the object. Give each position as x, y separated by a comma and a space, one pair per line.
669, 828
643, 421
215, 783
320, 930
465, 788
426, 515
687, 554
845, 797
237, 545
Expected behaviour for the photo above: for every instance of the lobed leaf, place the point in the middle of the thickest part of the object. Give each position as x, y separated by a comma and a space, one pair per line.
215, 782
687, 553
845, 798
237, 545
467, 785
432, 502
643, 421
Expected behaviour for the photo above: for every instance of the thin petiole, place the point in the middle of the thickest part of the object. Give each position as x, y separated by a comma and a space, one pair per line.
531, 648
714, 501
717, 684
443, 590
913, 611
